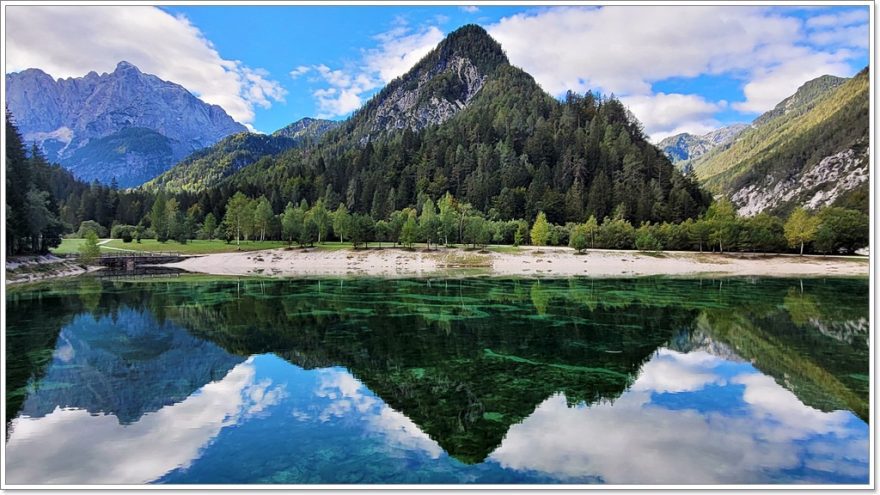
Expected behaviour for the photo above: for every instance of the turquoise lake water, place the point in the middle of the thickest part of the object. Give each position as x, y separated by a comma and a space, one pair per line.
482, 380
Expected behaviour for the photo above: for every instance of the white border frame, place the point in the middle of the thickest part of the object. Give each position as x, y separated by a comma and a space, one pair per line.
243, 488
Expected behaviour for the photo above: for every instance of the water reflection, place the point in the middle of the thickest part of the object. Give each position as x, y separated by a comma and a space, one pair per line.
481, 381
691, 419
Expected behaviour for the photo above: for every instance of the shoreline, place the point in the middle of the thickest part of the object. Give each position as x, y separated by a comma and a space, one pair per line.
528, 261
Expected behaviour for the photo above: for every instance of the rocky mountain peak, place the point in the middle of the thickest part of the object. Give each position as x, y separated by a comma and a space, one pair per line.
436, 88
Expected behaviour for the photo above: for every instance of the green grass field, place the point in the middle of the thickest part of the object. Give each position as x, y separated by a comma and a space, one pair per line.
69, 246
192, 247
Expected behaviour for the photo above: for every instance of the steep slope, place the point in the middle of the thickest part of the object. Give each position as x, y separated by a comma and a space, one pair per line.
209, 166
811, 150
681, 148
306, 130
206, 168
73, 118
464, 120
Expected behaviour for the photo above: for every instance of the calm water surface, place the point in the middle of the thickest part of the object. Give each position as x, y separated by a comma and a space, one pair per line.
646, 381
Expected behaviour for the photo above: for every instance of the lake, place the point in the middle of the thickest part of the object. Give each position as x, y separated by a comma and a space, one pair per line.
480, 380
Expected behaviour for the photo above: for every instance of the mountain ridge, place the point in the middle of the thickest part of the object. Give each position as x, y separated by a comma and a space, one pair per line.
810, 150
66, 116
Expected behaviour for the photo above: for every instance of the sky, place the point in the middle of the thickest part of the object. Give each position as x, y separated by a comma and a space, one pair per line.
678, 68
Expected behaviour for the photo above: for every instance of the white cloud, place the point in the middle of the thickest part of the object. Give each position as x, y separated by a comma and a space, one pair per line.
70, 41
633, 440
671, 371
837, 20
399, 50
770, 86
669, 114
110, 452
470, 9
849, 36
299, 71
626, 49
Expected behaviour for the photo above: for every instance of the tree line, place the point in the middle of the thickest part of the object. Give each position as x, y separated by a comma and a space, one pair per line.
449, 221
45, 202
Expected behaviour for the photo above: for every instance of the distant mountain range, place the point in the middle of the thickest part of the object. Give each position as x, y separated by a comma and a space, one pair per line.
681, 148
125, 125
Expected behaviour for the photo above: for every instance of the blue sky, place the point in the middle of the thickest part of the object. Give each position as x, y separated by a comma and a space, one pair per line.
678, 68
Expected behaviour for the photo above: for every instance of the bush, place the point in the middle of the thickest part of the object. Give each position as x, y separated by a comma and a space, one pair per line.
126, 237
90, 251
616, 234
91, 226
579, 238
119, 231
645, 241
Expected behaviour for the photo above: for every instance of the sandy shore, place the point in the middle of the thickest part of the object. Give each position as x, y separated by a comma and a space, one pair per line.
548, 262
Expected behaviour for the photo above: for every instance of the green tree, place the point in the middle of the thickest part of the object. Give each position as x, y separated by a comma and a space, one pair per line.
175, 219
289, 225
521, 234
540, 230
361, 229
209, 226
800, 228
90, 251
646, 240
236, 218
722, 221
341, 222
159, 217
448, 216
321, 217
262, 216
410, 231
429, 223
591, 228
841, 229
579, 238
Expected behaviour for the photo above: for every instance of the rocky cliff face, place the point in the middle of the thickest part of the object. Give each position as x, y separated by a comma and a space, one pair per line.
820, 186
69, 117
415, 106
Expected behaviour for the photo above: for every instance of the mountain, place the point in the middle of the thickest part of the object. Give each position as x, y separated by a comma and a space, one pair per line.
207, 167
811, 150
440, 85
803, 99
465, 121
125, 125
684, 147
306, 129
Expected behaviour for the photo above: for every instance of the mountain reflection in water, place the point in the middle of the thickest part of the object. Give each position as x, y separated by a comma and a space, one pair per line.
438, 381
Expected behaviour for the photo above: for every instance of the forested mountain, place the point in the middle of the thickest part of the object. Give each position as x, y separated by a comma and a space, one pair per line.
811, 150
125, 125
681, 148
464, 120
207, 167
